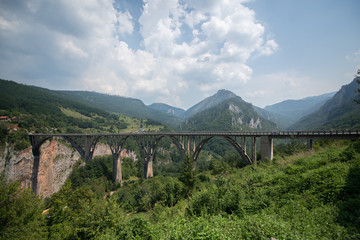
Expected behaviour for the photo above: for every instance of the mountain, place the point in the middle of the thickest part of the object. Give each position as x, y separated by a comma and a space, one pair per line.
126, 106
209, 102
162, 107
44, 110
35, 100
273, 117
292, 110
232, 114
339, 112
40, 109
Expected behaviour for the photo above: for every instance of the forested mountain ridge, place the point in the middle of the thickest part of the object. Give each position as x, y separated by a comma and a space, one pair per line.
123, 105
233, 114
293, 110
275, 118
165, 108
209, 102
43, 110
342, 111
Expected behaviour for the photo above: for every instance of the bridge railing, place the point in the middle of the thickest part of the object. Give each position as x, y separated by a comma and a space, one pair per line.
245, 134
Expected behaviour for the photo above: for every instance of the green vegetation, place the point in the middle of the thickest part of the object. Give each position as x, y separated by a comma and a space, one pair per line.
340, 112
20, 213
33, 109
232, 114
309, 195
126, 106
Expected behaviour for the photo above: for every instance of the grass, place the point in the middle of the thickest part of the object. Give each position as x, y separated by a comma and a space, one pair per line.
134, 125
74, 114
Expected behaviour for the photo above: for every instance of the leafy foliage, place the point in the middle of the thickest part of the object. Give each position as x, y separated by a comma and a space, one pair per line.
20, 213
309, 195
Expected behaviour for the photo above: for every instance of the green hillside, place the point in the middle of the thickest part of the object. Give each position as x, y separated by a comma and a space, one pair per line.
34, 109
311, 195
209, 102
126, 106
342, 111
233, 114
165, 108
293, 110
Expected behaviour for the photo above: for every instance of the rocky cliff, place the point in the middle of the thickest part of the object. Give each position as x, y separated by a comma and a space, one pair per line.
56, 161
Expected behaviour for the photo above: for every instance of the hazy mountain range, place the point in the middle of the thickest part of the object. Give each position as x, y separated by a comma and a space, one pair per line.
223, 111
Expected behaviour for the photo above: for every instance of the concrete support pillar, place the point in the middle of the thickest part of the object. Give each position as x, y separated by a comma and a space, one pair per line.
35, 171
254, 151
266, 147
117, 175
148, 170
309, 144
244, 146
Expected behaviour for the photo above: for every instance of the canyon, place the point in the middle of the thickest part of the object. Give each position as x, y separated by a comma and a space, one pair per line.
57, 159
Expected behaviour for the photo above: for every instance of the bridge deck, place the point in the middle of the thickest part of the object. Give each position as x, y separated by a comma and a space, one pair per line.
348, 134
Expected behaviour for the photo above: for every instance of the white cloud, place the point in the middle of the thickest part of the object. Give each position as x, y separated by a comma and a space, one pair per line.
355, 56
73, 51
124, 23
291, 85
258, 93
186, 46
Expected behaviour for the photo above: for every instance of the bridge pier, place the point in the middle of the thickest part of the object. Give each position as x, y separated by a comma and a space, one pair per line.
35, 171
147, 145
117, 174
309, 144
148, 168
116, 145
266, 147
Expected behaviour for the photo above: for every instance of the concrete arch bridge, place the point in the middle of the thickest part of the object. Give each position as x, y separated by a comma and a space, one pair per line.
190, 143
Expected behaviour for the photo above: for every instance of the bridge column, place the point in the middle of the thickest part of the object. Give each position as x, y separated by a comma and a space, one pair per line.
116, 146
254, 160
117, 174
147, 145
309, 144
266, 147
90, 142
35, 170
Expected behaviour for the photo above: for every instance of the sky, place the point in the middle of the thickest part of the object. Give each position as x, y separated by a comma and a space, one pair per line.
180, 51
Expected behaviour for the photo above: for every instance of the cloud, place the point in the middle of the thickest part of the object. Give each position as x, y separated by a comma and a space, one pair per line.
124, 23
291, 85
355, 56
186, 46
258, 93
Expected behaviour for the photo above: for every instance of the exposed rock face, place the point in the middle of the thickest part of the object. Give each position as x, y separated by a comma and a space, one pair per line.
237, 116
56, 162
255, 124
17, 166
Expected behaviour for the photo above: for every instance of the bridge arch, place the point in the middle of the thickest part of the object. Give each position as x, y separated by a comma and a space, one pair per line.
198, 144
229, 139
84, 144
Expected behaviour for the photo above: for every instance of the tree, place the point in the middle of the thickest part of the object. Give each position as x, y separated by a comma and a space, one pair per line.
20, 212
187, 174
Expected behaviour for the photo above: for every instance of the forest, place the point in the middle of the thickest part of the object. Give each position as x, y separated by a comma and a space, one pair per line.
301, 194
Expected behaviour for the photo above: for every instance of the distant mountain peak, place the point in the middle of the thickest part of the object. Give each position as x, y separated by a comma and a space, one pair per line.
165, 108
211, 101
232, 114
227, 93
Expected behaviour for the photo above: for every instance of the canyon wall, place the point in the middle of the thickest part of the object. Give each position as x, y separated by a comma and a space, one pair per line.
56, 161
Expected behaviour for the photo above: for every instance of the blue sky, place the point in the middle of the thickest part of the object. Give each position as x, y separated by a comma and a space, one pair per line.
181, 51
